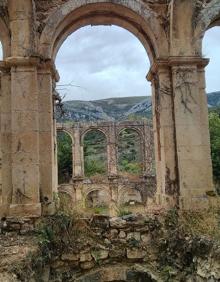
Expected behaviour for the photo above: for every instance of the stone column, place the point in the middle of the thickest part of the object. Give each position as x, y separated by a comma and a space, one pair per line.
112, 151
192, 134
78, 161
78, 165
5, 120
25, 138
148, 149
22, 27
24, 111
164, 135
48, 184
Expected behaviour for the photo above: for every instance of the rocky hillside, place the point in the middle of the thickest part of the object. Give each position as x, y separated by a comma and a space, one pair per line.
117, 108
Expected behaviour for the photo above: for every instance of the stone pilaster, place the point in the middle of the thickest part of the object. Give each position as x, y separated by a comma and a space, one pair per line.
48, 176
6, 169
25, 138
192, 134
78, 160
164, 135
22, 25
148, 150
25, 174
112, 151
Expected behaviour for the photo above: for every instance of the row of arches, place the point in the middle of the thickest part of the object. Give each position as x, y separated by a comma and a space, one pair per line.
129, 149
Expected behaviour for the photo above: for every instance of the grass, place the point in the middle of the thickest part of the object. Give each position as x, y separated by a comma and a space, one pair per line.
202, 223
123, 211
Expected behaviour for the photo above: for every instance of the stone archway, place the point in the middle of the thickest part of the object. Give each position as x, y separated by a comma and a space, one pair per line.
184, 173
132, 16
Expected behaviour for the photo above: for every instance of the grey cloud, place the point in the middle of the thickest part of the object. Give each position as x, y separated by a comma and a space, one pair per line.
107, 61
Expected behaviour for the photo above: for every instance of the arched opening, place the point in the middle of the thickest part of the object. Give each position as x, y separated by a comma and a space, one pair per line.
97, 200
95, 153
64, 157
130, 153
106, 62
123, 16
211, 47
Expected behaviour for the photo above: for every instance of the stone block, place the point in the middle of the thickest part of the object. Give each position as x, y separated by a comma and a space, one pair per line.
117, 253
113, 233
70, 257
146, 238
87, 265
134, 235
122, 234
135, 253
85, 257
117, 222
100, 254
114, 274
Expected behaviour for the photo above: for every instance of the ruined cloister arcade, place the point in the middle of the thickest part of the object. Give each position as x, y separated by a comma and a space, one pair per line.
111, 132
110, 183
32, 32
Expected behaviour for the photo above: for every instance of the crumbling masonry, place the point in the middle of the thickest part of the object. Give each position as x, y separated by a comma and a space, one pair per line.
32, 32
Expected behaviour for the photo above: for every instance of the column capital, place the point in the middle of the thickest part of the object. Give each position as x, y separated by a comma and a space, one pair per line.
42, 65
166, 63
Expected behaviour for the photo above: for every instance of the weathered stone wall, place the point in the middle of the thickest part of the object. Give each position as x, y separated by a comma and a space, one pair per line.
129, 248
32, 32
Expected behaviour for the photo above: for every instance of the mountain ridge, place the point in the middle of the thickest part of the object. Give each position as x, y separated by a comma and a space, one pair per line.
116, 109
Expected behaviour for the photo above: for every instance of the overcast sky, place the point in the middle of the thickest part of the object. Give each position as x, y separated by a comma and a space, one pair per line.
108, 61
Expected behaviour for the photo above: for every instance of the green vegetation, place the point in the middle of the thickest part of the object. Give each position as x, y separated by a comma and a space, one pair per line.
129, 149
95, 153
214, 127
129, 152
64, 156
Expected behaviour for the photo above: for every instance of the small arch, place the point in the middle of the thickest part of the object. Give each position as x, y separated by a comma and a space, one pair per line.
97, 198
75, 14
133, 128
66, 131
95, 152
86, 131
129, 195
